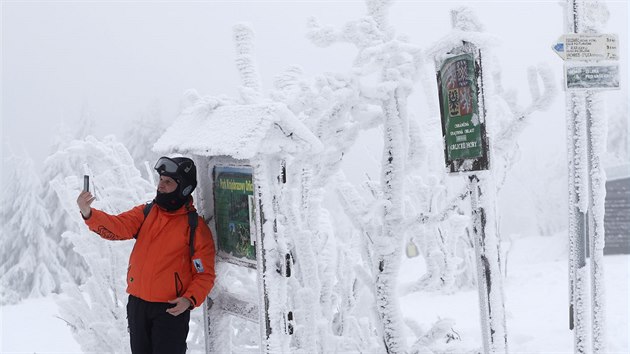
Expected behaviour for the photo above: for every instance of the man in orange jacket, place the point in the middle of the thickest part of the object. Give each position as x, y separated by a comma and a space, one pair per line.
165, 278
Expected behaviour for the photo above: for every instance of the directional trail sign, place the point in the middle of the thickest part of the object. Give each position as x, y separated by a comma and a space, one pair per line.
595, 76
585, 47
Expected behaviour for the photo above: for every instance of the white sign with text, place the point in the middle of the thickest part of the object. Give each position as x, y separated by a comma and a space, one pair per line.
587, 47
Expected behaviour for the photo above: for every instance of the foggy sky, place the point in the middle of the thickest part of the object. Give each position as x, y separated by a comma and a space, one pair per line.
113, 61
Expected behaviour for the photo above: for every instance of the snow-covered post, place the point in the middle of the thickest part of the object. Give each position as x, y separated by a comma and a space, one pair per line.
578, 277
596, 147
596, 125
578, 205
271, 249
586, 140
460, 88
489, 280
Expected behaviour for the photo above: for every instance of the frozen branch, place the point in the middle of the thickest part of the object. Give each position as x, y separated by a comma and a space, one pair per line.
353, 204
540, 102
451, 207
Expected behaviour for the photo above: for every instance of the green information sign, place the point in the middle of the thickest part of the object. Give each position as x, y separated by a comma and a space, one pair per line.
463, 136
461, 124
234, 212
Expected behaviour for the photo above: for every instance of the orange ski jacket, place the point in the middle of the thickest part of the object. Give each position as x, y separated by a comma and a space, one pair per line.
160, 266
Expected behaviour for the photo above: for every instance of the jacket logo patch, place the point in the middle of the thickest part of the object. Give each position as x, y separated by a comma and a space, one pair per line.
198, 265
105, 233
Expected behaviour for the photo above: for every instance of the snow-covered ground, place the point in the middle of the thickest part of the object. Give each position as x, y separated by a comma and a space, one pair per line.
536, 296
32, 326
535, 291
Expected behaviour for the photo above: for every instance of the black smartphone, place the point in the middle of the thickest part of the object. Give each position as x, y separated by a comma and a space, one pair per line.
86, 183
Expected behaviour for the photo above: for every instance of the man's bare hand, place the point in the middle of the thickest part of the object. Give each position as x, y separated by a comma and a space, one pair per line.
181, 304
84, 201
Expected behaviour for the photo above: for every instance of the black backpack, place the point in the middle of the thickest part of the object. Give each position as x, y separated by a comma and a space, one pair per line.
192, 223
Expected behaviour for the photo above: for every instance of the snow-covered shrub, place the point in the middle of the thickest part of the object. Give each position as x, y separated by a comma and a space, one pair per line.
95, 310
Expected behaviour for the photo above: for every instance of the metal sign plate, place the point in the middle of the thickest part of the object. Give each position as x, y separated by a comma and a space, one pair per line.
584, 47
597, 76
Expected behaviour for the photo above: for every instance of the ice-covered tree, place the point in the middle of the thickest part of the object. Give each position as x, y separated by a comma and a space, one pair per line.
328, 284
95, 310
54, 168
506, 119
394, 64
30, 259
341, 272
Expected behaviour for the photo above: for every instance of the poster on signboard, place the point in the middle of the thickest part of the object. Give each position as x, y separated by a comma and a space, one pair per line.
235, 214
463, 128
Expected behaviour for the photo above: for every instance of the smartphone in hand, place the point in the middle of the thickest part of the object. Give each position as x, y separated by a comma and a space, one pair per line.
86, 183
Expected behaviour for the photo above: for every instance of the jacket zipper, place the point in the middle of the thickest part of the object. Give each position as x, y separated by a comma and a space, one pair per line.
178, 285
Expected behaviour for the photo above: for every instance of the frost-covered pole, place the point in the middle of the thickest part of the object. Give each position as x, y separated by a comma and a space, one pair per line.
271, 264
593, 16
587, 143
460, 77
486, 233
489, 281
578, 205
596, 147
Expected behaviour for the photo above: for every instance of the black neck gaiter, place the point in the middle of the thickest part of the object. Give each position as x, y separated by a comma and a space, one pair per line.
170, 201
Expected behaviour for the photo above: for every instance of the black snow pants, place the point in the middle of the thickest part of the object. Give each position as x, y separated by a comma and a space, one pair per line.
153, 330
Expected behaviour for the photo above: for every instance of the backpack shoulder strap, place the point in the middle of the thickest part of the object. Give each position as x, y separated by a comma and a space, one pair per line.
192, 223
147, 208
146, 211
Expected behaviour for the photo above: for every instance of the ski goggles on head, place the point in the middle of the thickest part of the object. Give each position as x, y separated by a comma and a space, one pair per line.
166, 165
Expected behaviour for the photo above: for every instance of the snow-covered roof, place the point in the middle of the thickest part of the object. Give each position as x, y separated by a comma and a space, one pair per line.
240, 131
